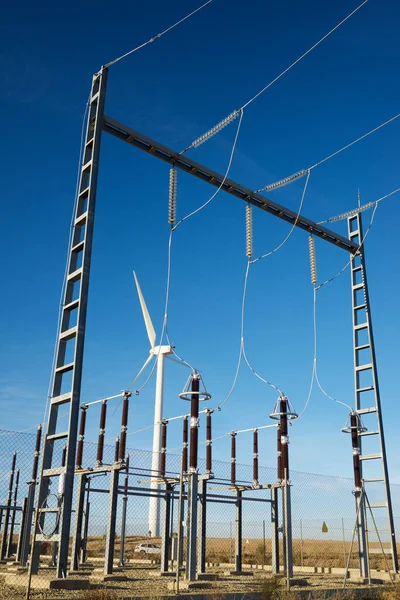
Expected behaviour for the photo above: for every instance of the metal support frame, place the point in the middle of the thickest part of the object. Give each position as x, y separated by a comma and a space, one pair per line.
111, 521
83, 552
193, 482
123, 516
287, 529
21, 531
79, 514
365, 367
74, 303
14, 512
202, 525
275, 529
238, 531
166, 536
7, 512
78, 273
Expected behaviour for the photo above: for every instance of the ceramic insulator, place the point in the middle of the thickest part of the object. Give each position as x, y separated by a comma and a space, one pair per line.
313, 264
249, 231
172, 197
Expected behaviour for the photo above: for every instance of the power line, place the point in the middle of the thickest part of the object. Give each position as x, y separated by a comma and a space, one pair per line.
301, 173
153, 39
359, 209
214, 130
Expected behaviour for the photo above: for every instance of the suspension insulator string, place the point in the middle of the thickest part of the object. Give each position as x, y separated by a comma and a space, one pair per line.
313, 262
249, 231
172, 197
282, 182
213, 131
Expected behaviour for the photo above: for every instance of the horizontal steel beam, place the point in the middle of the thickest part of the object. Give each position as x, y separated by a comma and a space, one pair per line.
185, 163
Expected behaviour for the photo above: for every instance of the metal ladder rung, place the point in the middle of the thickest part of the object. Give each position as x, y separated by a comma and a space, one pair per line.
72, 305
63, 399
53, 472
75, 275
364, 367
358, 268
370, 456
68, 334
65, 368
361, 326
354, 233
380, 479
366, 411
84, 192
359, 306
87, 166
50, 510
78, 247
363, 347
45, 538
369, 388
358, 286
81, 220
369, 433
378, 504
57, 436
378, 550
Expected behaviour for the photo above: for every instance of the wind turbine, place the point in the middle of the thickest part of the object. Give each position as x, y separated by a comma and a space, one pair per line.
159, 353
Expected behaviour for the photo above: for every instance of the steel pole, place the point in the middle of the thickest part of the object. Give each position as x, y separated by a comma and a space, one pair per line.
193, 480
3, 544
154, 502
14, 512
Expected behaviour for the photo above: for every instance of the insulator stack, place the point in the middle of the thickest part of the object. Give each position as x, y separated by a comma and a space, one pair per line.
356, 451
249, 231
194, 423
36, 453
81, 437
255, 457
208, 443
185, 445
285, 181
102, 430
233, 458
117, 450
163, 456
279, 453
64, 456
172, 197
284, 438
214, 130
313, 262
124, 426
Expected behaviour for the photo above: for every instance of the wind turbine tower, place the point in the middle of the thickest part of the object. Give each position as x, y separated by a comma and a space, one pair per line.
158, 353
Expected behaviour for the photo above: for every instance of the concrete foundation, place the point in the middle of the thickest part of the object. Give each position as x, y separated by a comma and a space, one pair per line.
69, 584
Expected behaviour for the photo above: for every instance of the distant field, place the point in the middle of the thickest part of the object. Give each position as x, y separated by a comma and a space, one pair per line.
308, 552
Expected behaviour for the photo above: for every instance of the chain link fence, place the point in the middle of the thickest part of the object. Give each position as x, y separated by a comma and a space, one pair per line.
323, 515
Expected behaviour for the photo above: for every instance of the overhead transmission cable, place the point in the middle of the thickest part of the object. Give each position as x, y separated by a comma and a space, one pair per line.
223, 180
303, 172
249, 252
359, 209
153, 39
317, 287
233, 115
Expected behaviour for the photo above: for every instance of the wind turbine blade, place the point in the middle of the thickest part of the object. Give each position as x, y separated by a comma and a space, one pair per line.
147, 320
143, 368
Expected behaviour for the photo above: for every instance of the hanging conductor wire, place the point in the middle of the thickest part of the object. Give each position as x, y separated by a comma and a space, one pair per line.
223, 180
214, 130
153, 39
359, 209
317, 164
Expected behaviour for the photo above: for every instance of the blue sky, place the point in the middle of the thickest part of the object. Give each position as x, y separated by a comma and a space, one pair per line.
174, 90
